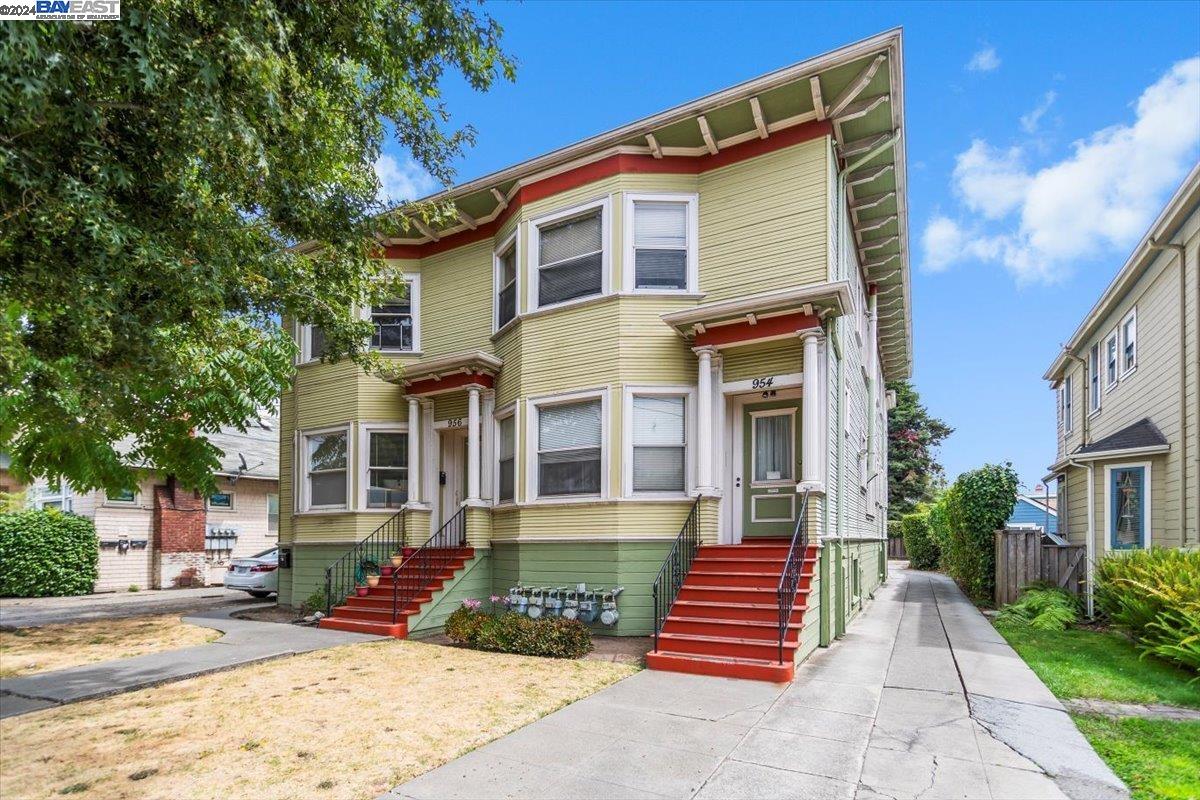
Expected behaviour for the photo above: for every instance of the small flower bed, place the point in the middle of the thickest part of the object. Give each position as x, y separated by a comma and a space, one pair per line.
499, 630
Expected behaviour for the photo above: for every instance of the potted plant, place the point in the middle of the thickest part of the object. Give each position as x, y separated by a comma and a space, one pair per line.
397, 558
408, 551
371, 570
362, 591
386, 570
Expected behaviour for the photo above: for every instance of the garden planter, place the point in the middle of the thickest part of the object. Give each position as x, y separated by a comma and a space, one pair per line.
408, 551
361, 591
372, 581
397, 560
386, 571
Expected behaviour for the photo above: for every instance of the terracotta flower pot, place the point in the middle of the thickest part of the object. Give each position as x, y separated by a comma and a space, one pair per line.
386, 571
361, 591
397, 560
372, 581
408, 551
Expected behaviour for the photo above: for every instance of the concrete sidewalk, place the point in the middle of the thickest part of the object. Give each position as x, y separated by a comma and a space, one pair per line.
244, 642
921, 698
30, 612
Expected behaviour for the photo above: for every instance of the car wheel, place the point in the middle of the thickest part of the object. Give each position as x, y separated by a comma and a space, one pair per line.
260, 594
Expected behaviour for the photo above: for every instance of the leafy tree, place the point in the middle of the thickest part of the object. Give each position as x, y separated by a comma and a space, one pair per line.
154, 174
914, 473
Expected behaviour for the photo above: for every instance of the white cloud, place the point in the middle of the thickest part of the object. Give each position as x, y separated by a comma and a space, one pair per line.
1030, 121
1100, 197
984, 60
399, 182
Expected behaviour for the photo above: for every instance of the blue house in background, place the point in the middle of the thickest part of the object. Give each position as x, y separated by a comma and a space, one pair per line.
1032, 510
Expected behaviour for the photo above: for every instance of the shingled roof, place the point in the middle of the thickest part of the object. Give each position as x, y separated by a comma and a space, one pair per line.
1138, 436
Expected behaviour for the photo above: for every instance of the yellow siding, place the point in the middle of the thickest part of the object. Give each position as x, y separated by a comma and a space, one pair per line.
756, 361
456, 296
590, 520
452, 405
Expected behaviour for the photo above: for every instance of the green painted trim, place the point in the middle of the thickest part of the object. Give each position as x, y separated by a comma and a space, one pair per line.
823, 592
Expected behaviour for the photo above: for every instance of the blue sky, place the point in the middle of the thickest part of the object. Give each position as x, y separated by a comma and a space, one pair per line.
1041, 139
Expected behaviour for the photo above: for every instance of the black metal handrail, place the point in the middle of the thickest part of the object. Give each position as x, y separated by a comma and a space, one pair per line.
350, 570
789, 579
675, 568
429, 560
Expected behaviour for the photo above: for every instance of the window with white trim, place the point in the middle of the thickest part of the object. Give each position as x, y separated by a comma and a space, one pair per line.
506, 282
55, 496
1094, 378
506, 479
1068, 403
659, 442
661, 248
387, 469
1110, 361
311, 342
1128, 506
121, 497
1129, 342
570, 439
324, 462
220, 501
272, 514
397, 321
571, 257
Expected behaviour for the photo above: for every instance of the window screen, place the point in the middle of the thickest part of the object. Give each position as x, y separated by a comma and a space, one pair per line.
569, 449
570, 259
658, 444
660, 245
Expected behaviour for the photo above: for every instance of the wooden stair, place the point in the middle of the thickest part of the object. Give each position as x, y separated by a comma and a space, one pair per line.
725, 620
373, 613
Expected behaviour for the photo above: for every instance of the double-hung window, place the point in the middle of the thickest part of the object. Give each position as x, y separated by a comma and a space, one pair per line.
1129, 342
1094, 379
311, 341
507, 458
325, 457
1128, 506
569, 448
1068, 403
396, 321
659, 444
387, 469
506, 283
1110, 361
660, 243
570, 255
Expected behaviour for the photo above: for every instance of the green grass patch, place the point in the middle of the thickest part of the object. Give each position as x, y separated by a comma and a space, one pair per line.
1100, 664
1158, 759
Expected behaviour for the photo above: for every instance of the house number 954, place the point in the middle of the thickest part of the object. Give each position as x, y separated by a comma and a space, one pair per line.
762, 383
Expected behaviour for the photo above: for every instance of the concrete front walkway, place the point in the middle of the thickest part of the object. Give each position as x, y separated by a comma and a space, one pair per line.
244, 642
921, 698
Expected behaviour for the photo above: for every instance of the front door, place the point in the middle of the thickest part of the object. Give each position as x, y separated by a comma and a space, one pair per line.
770, 468
453, 475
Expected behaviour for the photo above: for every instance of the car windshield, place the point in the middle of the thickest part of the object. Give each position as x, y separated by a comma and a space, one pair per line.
271, 554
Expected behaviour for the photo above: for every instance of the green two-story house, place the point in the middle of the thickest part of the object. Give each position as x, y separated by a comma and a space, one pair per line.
653, 359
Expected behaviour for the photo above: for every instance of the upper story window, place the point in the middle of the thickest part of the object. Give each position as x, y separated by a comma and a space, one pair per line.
658, 458
325, 456
55, 497
312, 342
1110, 361
1068, 403
661, 246
121, 497
220, 501
1094, 379
570, 252
570, 438
1129, 342
396, 321
506, 281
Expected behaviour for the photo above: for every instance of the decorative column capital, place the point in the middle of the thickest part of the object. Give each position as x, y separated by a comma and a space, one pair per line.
705, 350
816, 334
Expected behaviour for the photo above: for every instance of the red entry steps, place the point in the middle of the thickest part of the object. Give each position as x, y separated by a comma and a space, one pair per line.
373, 613
725, 620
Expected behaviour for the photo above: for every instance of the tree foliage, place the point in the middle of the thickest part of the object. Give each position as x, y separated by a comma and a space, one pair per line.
154, 175
913, 435
977, 505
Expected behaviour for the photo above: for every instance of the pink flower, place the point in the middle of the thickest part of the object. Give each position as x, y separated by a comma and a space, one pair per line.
495, 598
472, 604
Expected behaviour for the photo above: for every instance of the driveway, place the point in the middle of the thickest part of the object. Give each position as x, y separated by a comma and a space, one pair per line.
31, 612
921, 698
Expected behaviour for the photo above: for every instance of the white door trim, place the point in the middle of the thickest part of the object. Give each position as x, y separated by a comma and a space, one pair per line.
734, 437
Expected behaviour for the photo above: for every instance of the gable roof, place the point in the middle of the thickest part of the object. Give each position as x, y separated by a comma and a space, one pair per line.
1141, 435
258, 445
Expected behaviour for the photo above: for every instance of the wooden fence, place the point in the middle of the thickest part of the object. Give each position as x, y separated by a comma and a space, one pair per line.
1023, 557
896, 548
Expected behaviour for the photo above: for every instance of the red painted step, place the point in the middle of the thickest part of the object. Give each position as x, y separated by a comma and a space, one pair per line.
711, 626
749, 668
755, 612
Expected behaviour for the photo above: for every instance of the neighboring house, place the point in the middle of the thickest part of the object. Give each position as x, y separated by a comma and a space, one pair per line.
695, 312
162, 536
1128, 408
8, 482
1034, 511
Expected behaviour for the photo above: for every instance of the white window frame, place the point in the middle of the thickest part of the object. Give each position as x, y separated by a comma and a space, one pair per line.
304, 339
365, 429
208, 506
1115, 339
513, 240
302, 490
688, 393
772, 412
534, 248
532, 445
1068, 403
1096, 395
504, 413
1122, 345
629, 265
109, 500
413, 281
1147, 516
63, 497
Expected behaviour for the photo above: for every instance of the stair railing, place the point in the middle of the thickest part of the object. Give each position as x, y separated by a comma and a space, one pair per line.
427, 562
350, 570
675, 568
789, 579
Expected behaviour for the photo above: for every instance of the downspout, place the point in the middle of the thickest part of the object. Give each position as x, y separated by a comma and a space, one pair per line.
1183, 410
1090, 544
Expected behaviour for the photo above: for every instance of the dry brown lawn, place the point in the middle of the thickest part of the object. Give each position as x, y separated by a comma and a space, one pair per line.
28, 650
349, 722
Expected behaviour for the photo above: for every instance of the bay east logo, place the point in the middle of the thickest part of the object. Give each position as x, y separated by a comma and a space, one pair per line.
62, 10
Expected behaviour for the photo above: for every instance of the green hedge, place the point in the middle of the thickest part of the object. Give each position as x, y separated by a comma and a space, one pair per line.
509, 632
976, 506
47, 554
922, 550
1154, 595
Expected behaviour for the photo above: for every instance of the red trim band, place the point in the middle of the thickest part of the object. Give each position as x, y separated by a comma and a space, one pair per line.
769, 328
454, 381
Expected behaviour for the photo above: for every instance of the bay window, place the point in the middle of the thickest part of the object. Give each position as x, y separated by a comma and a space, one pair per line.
396, 321
507, 459
660, 236
387, 469
325, 456
506, 283
659, 444
570, 255
569, 448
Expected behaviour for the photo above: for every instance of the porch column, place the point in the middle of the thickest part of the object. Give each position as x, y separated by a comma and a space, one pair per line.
811, 417
473, 445
414, 450
704, 421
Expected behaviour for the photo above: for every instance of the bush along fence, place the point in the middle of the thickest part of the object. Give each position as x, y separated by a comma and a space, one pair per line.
1023, 559
47, 554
